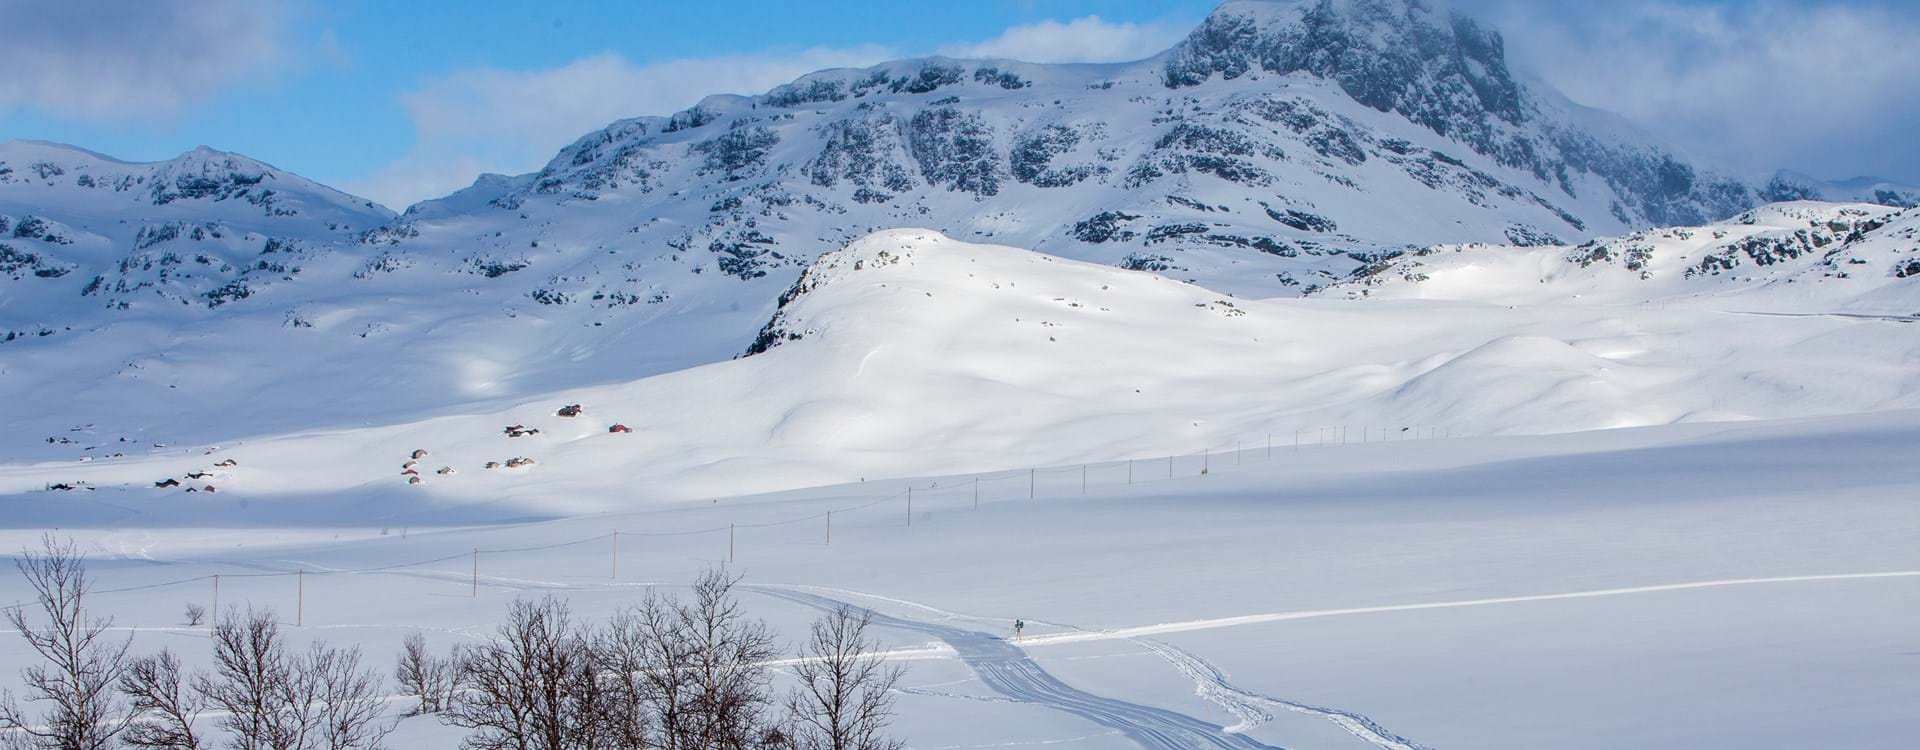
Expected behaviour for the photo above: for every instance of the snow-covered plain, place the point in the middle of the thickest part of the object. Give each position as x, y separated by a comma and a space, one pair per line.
1730, 585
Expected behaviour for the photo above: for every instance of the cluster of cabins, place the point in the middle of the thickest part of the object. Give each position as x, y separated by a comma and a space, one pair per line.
197, 477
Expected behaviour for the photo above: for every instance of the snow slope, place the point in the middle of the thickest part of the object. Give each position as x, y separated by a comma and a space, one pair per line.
910, 353
1681, 586
1802, 257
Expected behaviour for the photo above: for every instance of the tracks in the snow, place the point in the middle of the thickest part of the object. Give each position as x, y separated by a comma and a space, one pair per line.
1008, 671
1251, 707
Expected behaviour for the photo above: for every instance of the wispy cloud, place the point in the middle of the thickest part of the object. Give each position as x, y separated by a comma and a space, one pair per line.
1081, 40
105, 60
1821, 86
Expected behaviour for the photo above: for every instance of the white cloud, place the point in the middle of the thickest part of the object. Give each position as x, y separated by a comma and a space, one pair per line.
1822, 87
493, 120
1081, 40
100, 59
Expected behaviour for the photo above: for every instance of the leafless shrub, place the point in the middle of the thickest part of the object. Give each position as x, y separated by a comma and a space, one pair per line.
82, 664
420, 672
196, 614
534, 688
274, 700
164, 706
251, 672
341, 700
845, 696
727, 658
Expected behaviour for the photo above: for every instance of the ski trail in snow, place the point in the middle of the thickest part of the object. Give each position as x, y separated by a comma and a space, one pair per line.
1142, 631
1211, 684
1009, 671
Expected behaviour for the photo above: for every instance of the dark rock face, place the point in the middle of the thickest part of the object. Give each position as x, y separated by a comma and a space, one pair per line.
1449, 75
955, 150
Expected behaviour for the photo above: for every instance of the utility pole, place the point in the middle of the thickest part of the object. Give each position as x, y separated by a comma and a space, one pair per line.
729, 544
1083, 479
829, 528
1206, 460
216, 600
1269, 445
476, 572
299, 598
909, 505
615, 536
1030, 484
976, 493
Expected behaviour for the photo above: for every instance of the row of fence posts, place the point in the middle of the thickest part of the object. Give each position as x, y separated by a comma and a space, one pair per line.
1206, 457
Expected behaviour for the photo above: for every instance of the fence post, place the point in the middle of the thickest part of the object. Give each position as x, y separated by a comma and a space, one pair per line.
1030, 484
1206, 460
1269, 445
976, 492
216, 601
1169, 467
476, 572
829, 528
729, 544
909, 505
1129, 471
1238, 448
299, 598
1083, 479
615, 536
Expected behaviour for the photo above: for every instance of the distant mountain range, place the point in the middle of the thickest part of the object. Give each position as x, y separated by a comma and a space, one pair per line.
1281, 148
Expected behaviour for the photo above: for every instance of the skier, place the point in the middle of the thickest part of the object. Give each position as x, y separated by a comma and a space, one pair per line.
1018, 625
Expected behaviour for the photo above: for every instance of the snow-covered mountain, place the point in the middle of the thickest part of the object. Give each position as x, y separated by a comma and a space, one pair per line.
1786, 257
1277, 150
1787, 186
85, 237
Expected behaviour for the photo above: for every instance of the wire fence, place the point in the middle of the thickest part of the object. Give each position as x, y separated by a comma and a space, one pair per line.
602, 557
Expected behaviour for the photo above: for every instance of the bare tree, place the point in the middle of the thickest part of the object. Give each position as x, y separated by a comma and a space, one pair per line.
249, 683
430, 677
643, 670
275, 700
845, 697
82, 663
164, 706
727, 661
534, 688
195, 614
341, 700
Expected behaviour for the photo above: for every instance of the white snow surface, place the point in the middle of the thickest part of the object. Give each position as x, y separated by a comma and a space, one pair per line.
1680, 586
1803, 257
910, 353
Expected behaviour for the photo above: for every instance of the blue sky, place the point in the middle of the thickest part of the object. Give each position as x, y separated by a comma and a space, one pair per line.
408, 100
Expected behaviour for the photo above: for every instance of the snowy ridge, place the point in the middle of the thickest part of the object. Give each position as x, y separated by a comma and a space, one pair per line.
1802, 257
913, 353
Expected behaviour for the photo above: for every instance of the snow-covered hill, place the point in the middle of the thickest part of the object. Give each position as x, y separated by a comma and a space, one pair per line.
911, 353
1802, 257
1278, 149
86, 238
